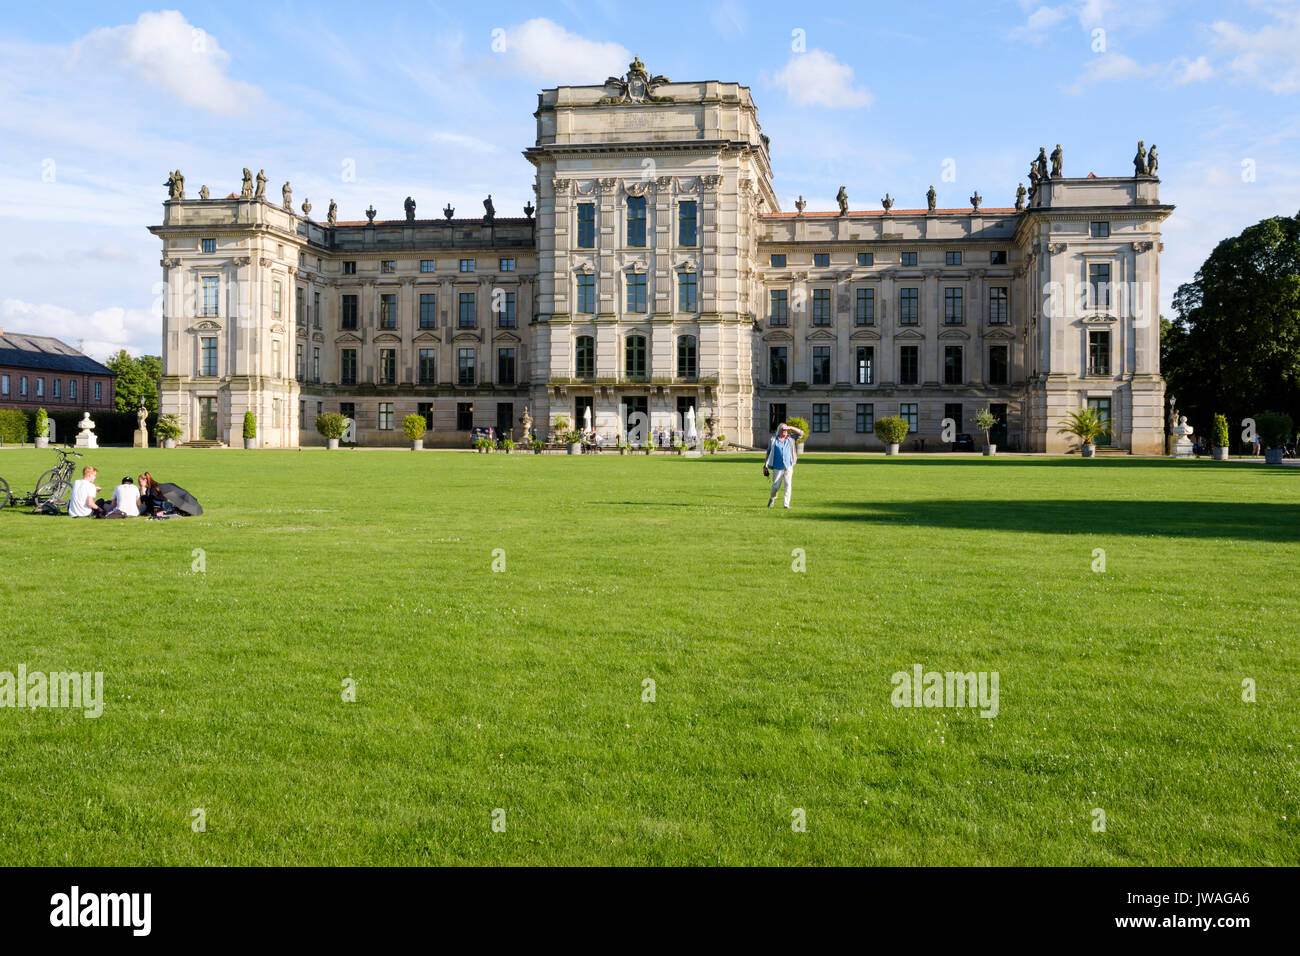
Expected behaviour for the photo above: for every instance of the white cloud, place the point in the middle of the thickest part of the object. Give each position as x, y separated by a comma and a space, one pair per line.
167, 51
548, 53
728, 18
1269, 56
816, 78
1039, 23
1116, 67
100, 334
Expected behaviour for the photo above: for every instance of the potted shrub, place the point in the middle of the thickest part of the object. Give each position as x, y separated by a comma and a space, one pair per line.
648, 443
507, 444
574, 441
1220, 439
561, 428
1087, 425
483, 445
802, 425
891, 430
168, 429
680, 447
1274, 429
414, 426
537, 446
42, 429
250, 430
331, 426
623, 446
984, 421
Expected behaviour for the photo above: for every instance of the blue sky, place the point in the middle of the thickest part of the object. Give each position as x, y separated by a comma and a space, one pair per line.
436, 101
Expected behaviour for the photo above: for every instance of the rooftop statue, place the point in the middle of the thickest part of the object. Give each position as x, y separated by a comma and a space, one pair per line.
1020, 198
1056, 162
410, 209
1140, 160
842, 197
286, 193
931, 199
888, 203
489, 210
246, 190
333, 216
1152, 163
261, 185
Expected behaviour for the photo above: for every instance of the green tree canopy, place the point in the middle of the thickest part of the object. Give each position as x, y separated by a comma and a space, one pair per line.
136, 379
1235, 346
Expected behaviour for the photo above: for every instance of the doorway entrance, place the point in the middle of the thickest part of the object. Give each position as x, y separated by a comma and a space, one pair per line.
208, 419
1102, 405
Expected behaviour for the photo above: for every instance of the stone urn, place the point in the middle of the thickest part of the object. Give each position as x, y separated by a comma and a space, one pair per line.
575, 448
990, 451
1219, 454
169, 442
891, 448
42, 441
417, 444
250, 443
798, 447
332, 444
1088, 449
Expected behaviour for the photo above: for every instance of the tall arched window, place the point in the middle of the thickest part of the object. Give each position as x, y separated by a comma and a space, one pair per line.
687, 357
637, 365
584, 357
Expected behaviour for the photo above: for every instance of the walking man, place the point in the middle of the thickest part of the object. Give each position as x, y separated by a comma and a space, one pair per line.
780, 461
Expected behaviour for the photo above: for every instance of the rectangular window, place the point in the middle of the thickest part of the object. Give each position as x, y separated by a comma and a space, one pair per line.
821, 418
99, 391
687, 357
72, 390
385, 416
778, 365
908, 412
780, 299
464, 416
997, 365
866, 258
821, 260
388, 366
686, 229
22, 385
636, 292
865, 422
56, 383
506, 315
428, 265
315, 363
40, 386
998, 305
466, 317
775, 415
505, 366
428, 310
908, 307
315, 310
276, 367
1099, 285
347, 366
1099, 230
506, 265
778, 260
686, 288
866, 361
467, 265
636, 361
998, 257
584, 355
428, 366
349, 268
1098, 351
211, 292
586, 225
275, 297
1102, 407
954, 311
208, 356
425, 409
209, 245
465, 372
821, 365
952, 365
300, 360
4, 384
388, 265
864, 309
299, 314
952, 258
348, 312
909, 258
821, 311
586, 294
636, 221
909, 365
348, 410
388, 310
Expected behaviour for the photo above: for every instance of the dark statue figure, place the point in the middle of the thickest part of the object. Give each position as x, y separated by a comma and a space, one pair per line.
1152, 164
409, 205
529, 209
261, 185
333, 216
1041, 163
1140, 160
449, 210
1056, 162
370, 215
175, 185
246, 190
888, 203
489, 211
931, 199
1033, 178
975, 200
1020, 198
842, 197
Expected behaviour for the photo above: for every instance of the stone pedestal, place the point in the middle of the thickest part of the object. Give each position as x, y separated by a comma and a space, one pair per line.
141, 438
86, 433
1182, 443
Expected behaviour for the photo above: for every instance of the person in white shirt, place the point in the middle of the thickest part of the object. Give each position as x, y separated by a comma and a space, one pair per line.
82, 502
126, 500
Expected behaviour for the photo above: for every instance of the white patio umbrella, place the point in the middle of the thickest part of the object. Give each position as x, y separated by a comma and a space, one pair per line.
691, 434
586, 419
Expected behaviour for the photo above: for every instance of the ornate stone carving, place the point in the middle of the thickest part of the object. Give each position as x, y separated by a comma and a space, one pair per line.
637, 86
800, 203
266, 262
975, 201
1056, 162
169, 263
637, 188
711, 182
333, 213
370, 214
561, 186
1055, 247
242, 260
448, 211
306, 207
529, 209
887, 203
1143, 245
607, 184
664, 182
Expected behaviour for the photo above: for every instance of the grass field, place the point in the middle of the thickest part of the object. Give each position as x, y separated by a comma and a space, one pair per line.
522, 689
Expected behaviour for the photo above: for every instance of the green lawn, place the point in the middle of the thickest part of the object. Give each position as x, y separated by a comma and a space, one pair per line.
522, 689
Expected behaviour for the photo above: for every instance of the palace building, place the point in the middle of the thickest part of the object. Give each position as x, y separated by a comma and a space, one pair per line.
656, 273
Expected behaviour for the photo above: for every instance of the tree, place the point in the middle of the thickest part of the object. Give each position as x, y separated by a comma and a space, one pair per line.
1235, 346
136, 379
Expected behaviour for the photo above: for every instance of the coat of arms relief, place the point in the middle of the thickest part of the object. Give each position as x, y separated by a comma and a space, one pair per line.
637, 86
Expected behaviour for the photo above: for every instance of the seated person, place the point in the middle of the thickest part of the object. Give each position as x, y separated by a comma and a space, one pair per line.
82, 503
126, 500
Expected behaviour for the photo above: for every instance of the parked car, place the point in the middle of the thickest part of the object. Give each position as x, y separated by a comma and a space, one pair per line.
964, 442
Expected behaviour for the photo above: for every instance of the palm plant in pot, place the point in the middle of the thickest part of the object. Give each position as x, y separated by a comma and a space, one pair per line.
168, 429
414, 426
891, 430
42, 429
574, 441
250, 430
1219, 444
1087, 425
331, 426
985, 421
1274, 429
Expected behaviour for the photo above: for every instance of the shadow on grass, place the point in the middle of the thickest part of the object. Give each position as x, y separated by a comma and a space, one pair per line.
1174, 519
817, 459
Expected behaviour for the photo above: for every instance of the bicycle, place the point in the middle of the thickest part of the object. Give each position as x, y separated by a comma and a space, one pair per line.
53, 487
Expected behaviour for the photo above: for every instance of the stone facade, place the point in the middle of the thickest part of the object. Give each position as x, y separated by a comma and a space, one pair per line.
659, 274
